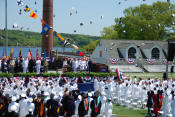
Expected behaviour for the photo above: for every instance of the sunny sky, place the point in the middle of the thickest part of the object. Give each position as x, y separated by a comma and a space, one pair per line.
87, 10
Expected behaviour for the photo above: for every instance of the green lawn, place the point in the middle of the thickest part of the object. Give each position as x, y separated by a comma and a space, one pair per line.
125, 112
149, 75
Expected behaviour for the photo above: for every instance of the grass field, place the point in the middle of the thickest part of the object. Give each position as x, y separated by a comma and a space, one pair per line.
125, 112
149, 75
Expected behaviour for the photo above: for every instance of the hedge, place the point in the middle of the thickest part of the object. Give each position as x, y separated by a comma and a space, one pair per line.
67, 74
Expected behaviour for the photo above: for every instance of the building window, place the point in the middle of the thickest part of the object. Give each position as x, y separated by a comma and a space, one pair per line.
101, 52
132, 53
155, 54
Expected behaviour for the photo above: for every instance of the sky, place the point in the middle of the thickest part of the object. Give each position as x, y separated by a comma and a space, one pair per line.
87, 10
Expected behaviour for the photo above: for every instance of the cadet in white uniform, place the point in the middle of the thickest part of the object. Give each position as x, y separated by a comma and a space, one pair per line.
38, 65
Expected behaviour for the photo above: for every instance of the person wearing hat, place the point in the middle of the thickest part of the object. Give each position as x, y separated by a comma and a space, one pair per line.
83, 106
108, 108
89, 98
30, 105
12, 113
95, 105
173, 104
52, 106
13, 102
30, 113
77, 102
22, 105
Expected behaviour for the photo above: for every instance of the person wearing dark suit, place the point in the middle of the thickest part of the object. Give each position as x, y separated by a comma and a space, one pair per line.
95, 105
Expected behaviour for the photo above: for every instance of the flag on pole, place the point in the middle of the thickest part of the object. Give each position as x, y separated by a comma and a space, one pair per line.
29, 55
51, 58
79, 53
43, 22
20, 53
75, 47
33, 15
45, 29
11, 54
20, 3
3, 55
45, 54
60, 38
37, 54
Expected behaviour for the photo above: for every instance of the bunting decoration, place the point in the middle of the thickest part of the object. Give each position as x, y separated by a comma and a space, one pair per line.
20, 53
60, 38
165, 61
114, 61
150, 61
33, 15
27, 9
130, 61
37, 54
29, 54
20, 3
45, 29
66, 43
11, 54
43, 22
75, 47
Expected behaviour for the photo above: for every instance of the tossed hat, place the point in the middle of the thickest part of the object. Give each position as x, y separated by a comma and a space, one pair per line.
46, 93
30, 110
13, 98
79, 97
13, 108
90, 94
23, 95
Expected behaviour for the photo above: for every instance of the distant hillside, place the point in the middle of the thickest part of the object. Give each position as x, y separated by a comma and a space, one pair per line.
26, 38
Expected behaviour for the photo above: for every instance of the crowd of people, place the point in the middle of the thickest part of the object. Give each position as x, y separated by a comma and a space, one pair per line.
60, 96
24, 65
51, 97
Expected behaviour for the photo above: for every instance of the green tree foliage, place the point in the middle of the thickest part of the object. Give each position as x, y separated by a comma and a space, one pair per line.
33, 39
146, 22
91, 46
109, 33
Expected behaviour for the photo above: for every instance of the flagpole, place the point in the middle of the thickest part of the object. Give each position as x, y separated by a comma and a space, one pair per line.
6, 32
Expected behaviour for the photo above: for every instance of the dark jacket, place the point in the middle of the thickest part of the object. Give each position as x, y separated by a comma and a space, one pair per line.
82, 110
52, 106
12, 114
94, 111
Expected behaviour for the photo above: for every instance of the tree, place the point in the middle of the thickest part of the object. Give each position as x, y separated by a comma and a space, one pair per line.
109, 33
144, 22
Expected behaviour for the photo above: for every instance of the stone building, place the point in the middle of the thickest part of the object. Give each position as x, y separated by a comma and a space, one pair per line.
132, 55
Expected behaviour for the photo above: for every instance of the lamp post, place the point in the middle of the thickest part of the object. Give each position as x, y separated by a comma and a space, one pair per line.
6, 32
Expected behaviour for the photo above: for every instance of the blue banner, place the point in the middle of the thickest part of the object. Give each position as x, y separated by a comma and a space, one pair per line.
84, 87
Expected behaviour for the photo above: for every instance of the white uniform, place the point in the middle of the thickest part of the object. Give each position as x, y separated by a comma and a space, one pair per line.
173, 108
76, 106
38, 65
25, 66
108, 109
23, 108
11, 104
